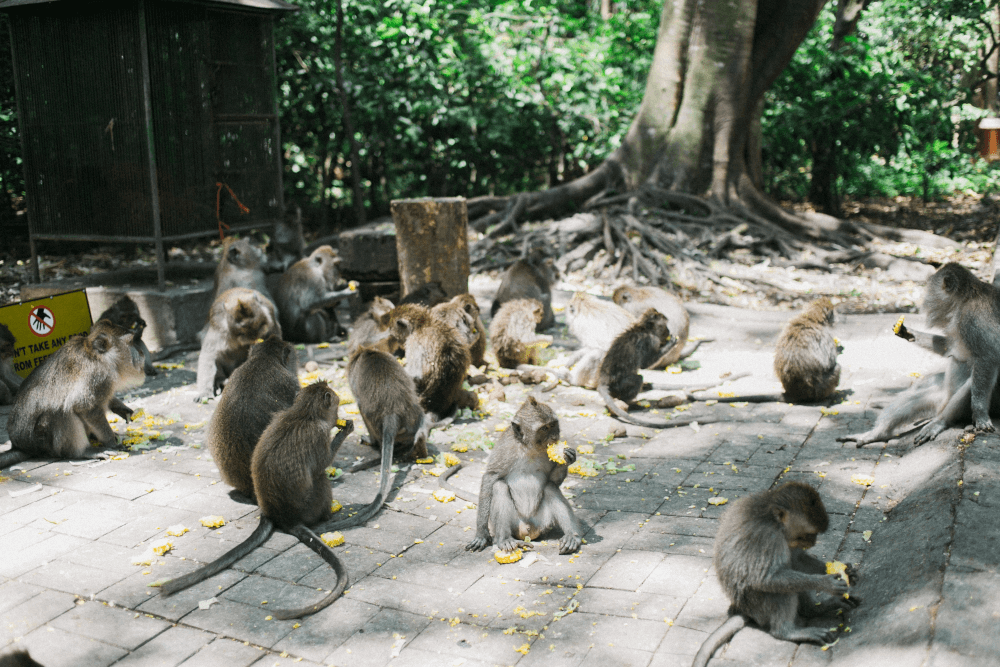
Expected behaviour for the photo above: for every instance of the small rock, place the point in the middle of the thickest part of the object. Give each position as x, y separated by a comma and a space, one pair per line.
671, 400
621, 404
478, 379
533, 376
311, 366
497, 394
617, 431
509, 379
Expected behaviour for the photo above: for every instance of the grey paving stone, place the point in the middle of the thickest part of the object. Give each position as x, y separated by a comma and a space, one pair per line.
599, 656
677, 575
488, 599
168, 649
679, 641
613, 631
319, 634
57, 648
240, 621
255, 591
19, 620
291, 565
32, 556
755, 646
412, 657
626, 570
64, 575
358, 561
112, 626
416, 571
224, 652
424, 600
630, 605
180, 604
469, 642
13, 593
45, 502
149, 522
372, 645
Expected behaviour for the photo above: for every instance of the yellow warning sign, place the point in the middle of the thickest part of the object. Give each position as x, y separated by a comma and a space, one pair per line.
40, 327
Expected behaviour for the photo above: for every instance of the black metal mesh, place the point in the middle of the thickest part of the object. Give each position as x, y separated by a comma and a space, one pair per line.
212, 83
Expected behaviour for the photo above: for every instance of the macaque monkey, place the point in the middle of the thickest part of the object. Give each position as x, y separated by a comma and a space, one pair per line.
289, 477
637, 299
436, 359
596, 323
239, 317
305, 291
65, 400
240, 266
519, 497
762, 565
267, 383
462, 315
125, 313
512, 332
372, 322
390, 408
428, 295
529, 278
10, 381
18, 659
287, 245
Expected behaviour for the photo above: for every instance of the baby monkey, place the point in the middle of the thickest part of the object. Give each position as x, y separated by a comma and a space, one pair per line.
762, 565
289, 478
512, 332
519, 497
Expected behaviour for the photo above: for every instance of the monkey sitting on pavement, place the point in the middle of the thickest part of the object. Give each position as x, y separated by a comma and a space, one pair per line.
390, 408
512, 332
238, 318
241, 265
125, 313
519, 497
762, 565
636, 300
289, 477
436, 359
373, 321
462, 315
305, 291
66, 399
10, 381
286, 245
267, 383
529, 278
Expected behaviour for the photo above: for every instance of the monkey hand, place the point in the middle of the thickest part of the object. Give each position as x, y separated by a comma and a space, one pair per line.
478, 543
834, 584
570, 455
569, 543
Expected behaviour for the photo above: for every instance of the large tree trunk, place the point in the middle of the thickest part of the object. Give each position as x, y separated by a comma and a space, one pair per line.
693, 133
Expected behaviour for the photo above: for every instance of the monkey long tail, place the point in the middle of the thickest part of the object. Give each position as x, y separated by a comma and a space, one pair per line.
753, 398
626, 417
264, 530
12, 457
311, 540
689, 388
390, 426
717, 639
689, 351
445, 484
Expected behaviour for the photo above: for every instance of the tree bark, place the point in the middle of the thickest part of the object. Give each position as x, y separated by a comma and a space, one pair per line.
432, 243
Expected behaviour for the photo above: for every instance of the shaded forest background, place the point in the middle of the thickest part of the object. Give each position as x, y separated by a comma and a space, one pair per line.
481, 97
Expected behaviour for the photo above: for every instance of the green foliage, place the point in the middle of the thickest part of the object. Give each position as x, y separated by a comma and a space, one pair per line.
463, 97
896, 98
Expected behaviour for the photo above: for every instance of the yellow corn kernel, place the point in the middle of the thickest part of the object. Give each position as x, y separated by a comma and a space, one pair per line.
341, 423
585, 449
836, 567
863, 480
898, 325
335, 506
718, 500
162, 547
555, 452
177, 530
451, 460
512, 557
578, 469
460, 447
444, 496
425, 461
332, 539
212, 521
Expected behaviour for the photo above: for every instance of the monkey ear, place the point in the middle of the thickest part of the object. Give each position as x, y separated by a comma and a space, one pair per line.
532, 401
403, 325
102, 343
516, 428
780, 514
327, 399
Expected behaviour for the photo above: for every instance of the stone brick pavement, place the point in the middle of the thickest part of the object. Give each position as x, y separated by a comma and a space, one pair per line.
642, 587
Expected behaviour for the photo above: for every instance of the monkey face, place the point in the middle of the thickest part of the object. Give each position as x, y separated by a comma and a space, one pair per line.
243, 255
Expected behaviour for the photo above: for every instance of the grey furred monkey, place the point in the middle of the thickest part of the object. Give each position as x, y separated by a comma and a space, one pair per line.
266, 384
289, 477
519, 496
304, 293
636, 300
125, 313
529, 278
66, 399
762, 565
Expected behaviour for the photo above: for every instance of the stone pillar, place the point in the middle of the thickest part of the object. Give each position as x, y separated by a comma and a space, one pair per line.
432, 243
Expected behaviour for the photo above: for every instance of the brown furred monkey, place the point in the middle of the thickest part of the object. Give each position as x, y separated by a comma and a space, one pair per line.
512, 332
519, 496
265, 384
435, 358
241, 265
239, 317
595, 323
10, 381
372, 322
305, 291
390, 408
762, 565
67, 398
289, 476
125, 313
470, 326
529, 278
636, 300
